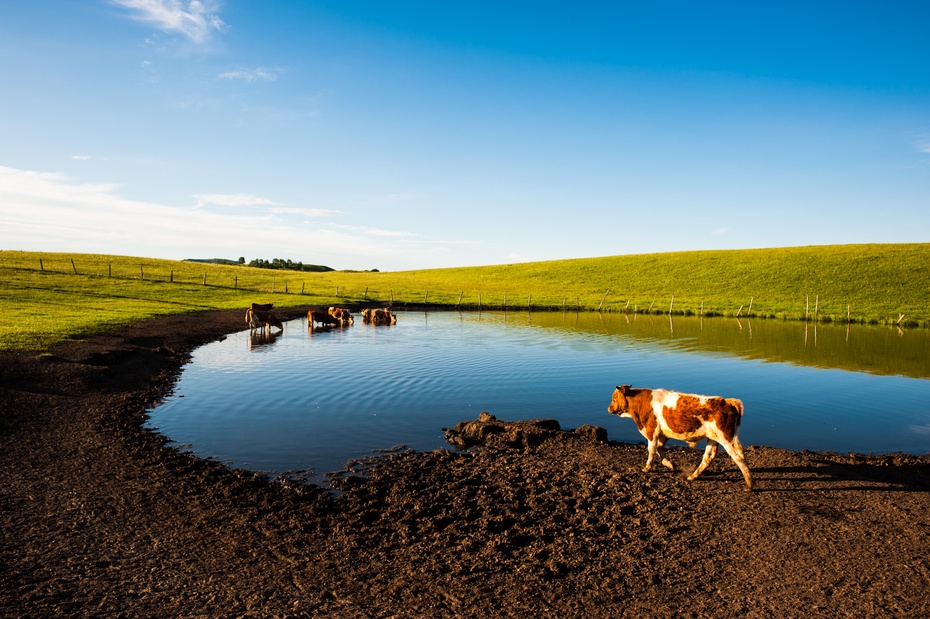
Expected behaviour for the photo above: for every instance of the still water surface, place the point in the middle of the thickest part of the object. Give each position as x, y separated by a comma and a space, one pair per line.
310, 402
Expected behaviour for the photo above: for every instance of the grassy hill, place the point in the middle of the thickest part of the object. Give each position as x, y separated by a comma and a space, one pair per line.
59, 295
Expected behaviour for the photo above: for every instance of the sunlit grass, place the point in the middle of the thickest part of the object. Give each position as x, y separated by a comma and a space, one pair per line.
58, 296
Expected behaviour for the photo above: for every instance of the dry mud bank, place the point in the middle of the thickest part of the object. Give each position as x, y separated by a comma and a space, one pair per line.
99, 519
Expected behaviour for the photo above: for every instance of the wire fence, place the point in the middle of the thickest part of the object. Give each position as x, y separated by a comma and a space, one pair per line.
280, 282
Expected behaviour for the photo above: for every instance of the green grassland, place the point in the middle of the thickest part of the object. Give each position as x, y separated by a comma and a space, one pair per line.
59, 296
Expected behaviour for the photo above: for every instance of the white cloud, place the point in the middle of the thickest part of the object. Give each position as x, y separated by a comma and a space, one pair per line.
720, 231
231, 199
195, 19
308, 212
42, 211
369, 231
251, 75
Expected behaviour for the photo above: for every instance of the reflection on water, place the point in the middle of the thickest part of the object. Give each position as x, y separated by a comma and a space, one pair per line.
298, 400
857, 348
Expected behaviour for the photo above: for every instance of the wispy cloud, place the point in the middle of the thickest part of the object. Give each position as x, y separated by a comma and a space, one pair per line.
720, 231
259, 74
42, 210
515, 257
369, 231
232, 199
308, 212
194, 19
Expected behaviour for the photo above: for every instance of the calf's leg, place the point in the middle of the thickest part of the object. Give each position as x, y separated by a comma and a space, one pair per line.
735, 449
665, 461
655, 447
709, 453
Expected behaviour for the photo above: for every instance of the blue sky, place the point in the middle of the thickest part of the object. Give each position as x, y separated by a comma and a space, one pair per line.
405, 135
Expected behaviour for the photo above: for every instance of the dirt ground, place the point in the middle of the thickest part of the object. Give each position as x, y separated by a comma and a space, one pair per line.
100, 519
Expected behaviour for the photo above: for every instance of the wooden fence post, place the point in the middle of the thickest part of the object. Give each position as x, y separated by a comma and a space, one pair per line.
302, 284
529, 300
366, 292
41, 266
505, 300
171, 276
74, 268
650, 306
749, 311
141, 272
605, 296
460, 298
670, 305
426, 298
110, 270
392, 296
204, 278
479, 301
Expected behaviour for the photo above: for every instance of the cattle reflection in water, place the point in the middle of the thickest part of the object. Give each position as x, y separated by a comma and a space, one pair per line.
262, 337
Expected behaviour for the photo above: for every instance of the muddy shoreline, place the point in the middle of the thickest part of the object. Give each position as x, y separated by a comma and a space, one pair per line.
100, 519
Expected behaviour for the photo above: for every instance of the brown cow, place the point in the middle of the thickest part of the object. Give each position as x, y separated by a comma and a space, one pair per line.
378, 316
259, 319
343, 315
262, 307
314, 316
660, 415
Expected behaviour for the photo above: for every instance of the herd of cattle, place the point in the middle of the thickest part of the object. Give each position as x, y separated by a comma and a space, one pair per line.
341, 317
659, 414
261, 316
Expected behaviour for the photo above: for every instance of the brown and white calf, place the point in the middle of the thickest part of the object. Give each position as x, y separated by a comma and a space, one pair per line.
661, 414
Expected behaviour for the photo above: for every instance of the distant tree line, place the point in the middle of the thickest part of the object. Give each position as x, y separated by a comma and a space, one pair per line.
279, 264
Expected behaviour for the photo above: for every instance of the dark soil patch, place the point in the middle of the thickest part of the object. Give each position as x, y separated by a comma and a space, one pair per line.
100, 519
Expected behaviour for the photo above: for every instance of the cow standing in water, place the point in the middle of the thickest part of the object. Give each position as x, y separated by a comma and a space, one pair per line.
660, 415
324, 318
378, 316
261, 319
343, 315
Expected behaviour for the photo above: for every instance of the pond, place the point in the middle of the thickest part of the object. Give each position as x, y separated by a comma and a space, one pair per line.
306, 403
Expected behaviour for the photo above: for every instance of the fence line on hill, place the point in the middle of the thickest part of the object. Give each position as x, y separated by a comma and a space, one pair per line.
261, 284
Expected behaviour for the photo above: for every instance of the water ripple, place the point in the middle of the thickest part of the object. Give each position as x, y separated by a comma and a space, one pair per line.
314, 401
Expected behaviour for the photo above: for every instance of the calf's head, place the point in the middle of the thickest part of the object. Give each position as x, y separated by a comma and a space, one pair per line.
619, 403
